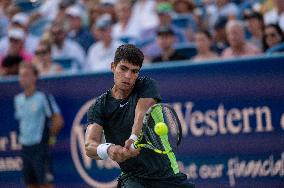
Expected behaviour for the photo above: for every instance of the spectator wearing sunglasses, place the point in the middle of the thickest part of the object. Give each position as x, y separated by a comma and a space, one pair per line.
272, 36
43, 61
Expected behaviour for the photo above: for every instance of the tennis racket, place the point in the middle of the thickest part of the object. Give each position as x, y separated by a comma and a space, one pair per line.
161, 131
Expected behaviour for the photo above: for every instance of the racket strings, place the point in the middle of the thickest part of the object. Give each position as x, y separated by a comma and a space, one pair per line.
151, 136
172, 123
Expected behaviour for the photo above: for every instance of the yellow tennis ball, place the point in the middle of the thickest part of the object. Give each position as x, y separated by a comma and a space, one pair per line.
161, 129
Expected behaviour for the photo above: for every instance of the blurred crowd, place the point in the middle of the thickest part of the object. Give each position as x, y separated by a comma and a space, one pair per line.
82, 35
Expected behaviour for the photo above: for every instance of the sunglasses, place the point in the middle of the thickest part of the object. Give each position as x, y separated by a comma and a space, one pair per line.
272, 35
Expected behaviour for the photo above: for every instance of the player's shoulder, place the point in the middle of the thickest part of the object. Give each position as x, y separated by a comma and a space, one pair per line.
100, 100
145, 80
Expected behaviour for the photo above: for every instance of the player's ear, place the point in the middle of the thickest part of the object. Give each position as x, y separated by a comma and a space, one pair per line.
113, 65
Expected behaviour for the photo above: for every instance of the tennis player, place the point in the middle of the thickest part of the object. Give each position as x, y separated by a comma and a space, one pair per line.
119, 113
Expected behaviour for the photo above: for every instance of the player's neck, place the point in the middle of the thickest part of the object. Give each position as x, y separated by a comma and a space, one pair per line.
119, 94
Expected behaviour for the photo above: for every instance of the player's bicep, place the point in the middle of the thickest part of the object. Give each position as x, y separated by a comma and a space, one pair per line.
93, 133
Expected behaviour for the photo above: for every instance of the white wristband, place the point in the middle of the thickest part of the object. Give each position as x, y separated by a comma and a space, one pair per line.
133, 137
102, 150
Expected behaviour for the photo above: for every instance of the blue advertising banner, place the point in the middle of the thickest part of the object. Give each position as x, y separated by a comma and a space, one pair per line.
232, 115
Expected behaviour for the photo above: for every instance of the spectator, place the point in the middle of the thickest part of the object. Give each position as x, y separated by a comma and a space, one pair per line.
203, 45
273, 36
4, 19
276, 15
16, 39
164, 11
255, 24
93, 13
48, 10
126, 29
101, 53
221, 8
63, 47
185, 18
20, 21
77, 31
39, 119
108, 7
10, 65
238, 45
144, 13
43, 61
220, 41
166, 39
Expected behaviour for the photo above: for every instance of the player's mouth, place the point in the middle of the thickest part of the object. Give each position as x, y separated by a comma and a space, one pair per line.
126, 83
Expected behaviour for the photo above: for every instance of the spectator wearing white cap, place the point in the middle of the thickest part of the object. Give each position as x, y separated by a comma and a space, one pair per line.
20, 20
101, 53
76, 30
16, 37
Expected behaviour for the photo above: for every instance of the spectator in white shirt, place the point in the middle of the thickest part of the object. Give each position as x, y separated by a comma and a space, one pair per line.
63, 47
101, 54
126, 28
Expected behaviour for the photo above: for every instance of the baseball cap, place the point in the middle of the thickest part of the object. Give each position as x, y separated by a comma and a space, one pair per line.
252, 14
20, 18
165, 31
74, 11
103, 21
164, 8
16, 33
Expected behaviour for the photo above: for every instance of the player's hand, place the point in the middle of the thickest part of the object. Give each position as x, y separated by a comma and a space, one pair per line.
128, 143
118, 153
129, 150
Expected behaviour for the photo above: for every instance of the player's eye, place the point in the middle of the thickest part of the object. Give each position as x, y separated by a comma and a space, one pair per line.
135, 71
124, 68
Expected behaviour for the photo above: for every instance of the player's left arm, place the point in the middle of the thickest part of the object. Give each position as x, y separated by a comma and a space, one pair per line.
142, 106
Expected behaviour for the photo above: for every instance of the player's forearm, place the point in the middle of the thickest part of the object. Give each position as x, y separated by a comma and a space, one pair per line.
91, 150
142, 106
137, 126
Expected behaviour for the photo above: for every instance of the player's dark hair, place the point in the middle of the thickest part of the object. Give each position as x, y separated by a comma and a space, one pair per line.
130, 53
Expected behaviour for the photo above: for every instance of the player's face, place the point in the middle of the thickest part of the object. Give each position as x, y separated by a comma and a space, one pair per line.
125, 75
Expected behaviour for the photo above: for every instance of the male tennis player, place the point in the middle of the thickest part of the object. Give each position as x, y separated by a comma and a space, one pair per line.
119, 113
